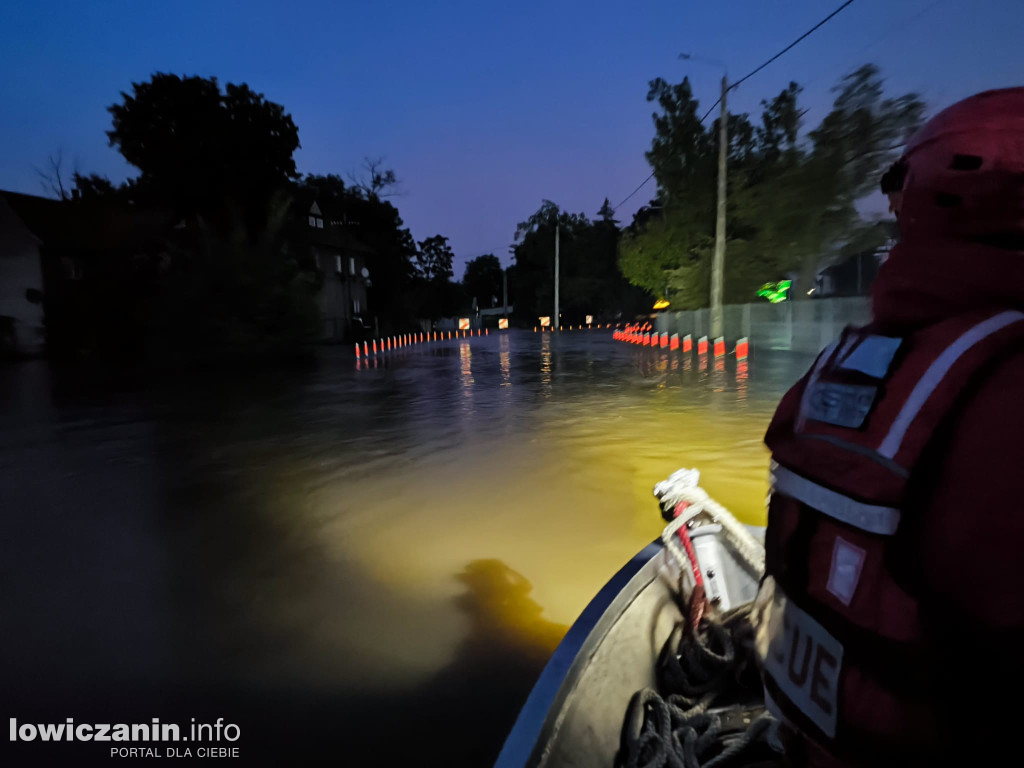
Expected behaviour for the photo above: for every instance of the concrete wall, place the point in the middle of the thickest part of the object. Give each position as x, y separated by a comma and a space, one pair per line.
800, 326
21, 268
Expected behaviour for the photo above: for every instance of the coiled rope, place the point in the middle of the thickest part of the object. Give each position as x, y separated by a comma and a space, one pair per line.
674, 729
706, 659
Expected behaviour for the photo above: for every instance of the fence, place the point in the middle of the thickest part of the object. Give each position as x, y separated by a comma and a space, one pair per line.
800, 326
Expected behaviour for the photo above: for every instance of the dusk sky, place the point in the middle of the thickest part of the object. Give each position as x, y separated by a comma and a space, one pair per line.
483, 109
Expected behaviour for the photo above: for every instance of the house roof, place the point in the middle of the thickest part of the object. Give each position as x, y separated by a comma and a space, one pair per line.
92, 225
336, 235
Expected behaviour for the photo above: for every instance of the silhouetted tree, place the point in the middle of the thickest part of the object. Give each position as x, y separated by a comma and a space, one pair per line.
434, 259
204, 151
590, 282
483, 280
52, 177
375, 181
235, 296
94, 187
791, 203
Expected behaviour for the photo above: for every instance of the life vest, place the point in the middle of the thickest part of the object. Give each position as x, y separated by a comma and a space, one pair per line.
840, 634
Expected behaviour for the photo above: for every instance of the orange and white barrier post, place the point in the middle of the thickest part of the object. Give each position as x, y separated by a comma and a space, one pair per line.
742, 348
702, 345
664, 340
673, 341
357, 352
719, 347
687, 343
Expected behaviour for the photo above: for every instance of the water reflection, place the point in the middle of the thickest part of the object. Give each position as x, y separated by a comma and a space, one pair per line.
545, 363
466, 360
506, 365
335, 537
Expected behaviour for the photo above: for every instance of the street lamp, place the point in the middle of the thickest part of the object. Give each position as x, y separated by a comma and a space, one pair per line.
718, 261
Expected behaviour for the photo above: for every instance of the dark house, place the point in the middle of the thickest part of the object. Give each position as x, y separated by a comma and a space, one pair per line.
341, 260
93, 263
22, 330
853, 276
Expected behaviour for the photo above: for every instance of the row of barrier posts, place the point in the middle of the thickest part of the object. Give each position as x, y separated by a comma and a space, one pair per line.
591, 327
389, 343
644, 335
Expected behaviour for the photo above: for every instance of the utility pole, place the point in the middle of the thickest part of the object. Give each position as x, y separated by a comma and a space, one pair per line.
504, 290
554, 320
718, 263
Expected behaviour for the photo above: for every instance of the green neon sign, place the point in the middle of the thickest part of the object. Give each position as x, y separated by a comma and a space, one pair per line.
776, 292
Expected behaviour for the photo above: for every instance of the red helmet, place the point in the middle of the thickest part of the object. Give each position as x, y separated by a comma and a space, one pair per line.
963, 173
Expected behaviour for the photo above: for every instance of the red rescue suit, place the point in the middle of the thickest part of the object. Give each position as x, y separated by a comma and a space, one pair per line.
841, 638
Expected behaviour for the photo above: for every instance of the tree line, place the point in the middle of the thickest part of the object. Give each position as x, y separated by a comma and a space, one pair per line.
793, 194
237, 278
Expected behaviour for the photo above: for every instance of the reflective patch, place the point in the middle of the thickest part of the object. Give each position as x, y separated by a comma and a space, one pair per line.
872, 356
868, 517
823, 358
847, 561
936, 372
845, 405
804, 660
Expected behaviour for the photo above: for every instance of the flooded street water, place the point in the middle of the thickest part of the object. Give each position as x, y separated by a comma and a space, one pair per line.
378, 561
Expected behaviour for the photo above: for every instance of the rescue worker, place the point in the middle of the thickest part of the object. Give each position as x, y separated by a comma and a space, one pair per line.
892, 611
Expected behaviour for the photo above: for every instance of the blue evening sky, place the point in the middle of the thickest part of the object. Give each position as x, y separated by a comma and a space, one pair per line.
482, 108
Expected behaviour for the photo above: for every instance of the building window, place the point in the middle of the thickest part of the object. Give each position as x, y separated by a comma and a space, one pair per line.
312, 221
351, 265
316, 222
337, 264
355, 306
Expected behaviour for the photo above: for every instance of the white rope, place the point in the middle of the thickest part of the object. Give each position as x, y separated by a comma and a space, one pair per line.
682, 485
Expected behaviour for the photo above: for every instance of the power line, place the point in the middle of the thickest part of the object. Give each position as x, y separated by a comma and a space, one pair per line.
642, 184
887, 33
747, 77
788, 47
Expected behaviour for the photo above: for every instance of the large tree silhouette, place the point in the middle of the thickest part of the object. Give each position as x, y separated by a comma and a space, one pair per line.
202, 150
